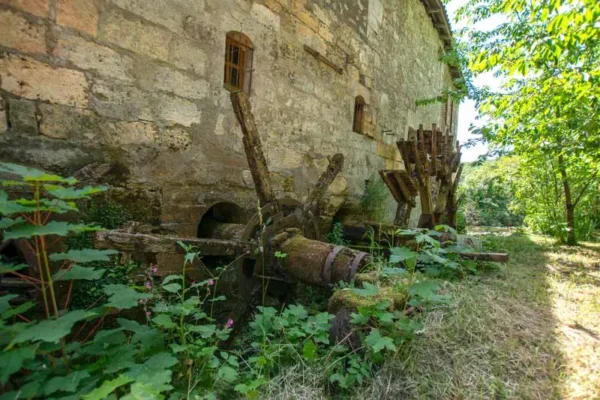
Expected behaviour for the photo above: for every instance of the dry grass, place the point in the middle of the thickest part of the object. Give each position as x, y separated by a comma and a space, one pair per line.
529, 330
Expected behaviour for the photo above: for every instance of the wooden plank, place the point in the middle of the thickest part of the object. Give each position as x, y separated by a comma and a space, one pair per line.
313, 201
406, 185
253, 148
386, 176
143, 243
324, 60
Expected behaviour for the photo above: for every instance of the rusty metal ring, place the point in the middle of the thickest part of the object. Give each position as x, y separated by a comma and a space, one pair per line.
329, 263
355, 263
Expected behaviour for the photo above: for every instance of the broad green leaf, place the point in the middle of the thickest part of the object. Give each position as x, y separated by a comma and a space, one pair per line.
10, 207
67, 383
85, 255
164, 321
368, 290
309, 350
5, 302
59, 228
4, 268
52, 330
7, 222
20, 309
377, 343
171, 278
33, 175
172, 287
12, 361
155, 372
227, 373
72, 194
108, 387
77, 272
399, 254
123, 297
140, 391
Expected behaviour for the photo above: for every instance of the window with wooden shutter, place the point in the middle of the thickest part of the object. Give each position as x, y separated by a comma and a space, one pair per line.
359, 115
238, 62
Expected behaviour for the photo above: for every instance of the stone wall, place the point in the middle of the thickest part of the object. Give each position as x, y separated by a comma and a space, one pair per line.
138, 84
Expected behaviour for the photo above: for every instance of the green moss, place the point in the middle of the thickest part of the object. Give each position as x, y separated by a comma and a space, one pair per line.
373, 201
348, 298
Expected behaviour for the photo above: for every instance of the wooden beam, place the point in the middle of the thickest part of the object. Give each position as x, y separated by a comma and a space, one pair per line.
324, 60
143, 243
253, 148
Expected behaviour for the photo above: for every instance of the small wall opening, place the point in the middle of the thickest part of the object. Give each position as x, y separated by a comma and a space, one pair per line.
223, 220
359, 115
219, 213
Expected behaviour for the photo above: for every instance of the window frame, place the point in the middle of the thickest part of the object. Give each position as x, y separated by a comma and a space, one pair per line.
243, 67
358, 121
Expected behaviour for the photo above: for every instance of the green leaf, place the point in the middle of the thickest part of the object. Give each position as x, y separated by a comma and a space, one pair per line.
172, 287
164, 321
85, 255
140, 391
155, 372
10, 207
60, 228
67, 383
108, 387
52, 330
378, 343
4, 268
123, 297
171, 278
5, 302
72, 194
427, 239
12, 361
34, 175
227, 373
399, 254
77, 272
309, 350
367, 290
7, 222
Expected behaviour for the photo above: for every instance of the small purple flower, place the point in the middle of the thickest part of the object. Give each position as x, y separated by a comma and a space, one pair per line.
148, 285
229, 323
211, 282
148, 314
154, 269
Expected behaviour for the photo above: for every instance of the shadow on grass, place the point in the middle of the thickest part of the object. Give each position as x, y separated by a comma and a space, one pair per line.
495, 339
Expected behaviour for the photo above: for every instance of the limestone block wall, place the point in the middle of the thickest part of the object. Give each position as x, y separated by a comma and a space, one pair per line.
138, 84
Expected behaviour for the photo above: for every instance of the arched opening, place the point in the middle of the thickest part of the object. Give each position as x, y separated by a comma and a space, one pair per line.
359, 114
238, 62
223, 220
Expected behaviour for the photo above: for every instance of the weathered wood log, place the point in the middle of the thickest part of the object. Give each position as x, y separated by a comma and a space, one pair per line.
142, 243
320, 263
253, 148
311, 209
336, 163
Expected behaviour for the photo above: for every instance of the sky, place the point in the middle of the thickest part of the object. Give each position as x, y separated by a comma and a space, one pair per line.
468, 114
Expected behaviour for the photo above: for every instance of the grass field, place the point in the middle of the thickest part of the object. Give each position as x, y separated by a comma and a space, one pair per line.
526, 330
530, 330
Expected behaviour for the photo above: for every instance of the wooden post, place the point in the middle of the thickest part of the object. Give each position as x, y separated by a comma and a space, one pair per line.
253, 148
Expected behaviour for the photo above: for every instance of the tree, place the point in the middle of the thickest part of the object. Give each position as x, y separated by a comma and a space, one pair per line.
547, 54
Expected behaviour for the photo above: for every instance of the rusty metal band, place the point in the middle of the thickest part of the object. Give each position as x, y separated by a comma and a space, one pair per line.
355, 263
329, 263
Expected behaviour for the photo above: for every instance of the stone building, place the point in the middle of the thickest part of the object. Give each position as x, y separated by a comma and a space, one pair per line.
142, 87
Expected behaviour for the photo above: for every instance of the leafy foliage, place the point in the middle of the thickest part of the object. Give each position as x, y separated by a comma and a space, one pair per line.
547, 110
